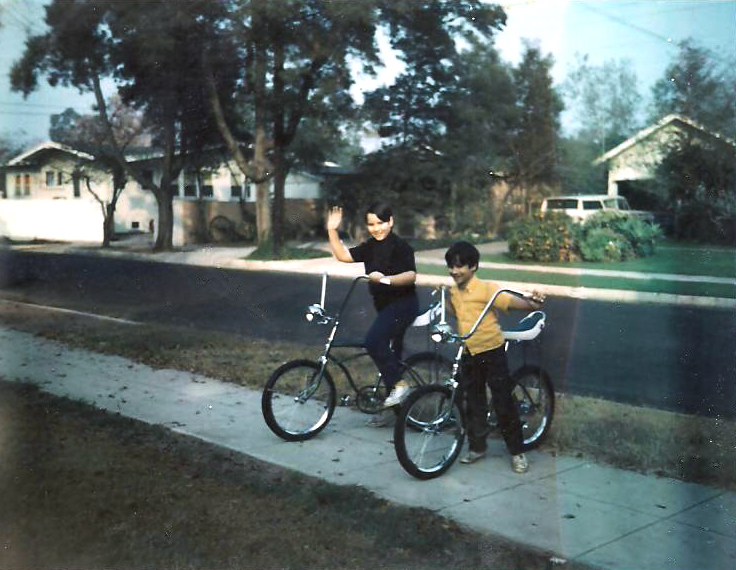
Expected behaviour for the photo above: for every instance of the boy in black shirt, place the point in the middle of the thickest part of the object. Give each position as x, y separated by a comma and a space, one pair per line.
389, 263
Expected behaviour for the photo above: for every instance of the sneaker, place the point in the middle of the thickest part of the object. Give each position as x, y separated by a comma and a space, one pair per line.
386, 418
472, 457
398, 394
519, 464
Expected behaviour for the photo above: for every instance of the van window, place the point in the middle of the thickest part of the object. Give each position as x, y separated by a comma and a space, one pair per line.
592, 205
562, 204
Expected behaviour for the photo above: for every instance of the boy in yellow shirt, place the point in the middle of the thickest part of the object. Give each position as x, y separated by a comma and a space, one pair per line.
484, 360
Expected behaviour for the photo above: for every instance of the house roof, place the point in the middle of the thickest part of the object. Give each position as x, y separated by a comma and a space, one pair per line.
644, 133
48, 145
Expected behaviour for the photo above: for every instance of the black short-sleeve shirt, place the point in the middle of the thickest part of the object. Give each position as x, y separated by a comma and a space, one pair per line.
390, 256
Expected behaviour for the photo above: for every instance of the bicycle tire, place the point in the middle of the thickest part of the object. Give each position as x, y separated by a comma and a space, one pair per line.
430, 450
296, 403
429, 367
535, 397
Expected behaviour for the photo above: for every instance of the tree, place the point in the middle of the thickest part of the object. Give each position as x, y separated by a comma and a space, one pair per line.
606, 100
576, 171
531, 162
429, 163
699, 176
700, 85
148, 49
88, 134
296, 59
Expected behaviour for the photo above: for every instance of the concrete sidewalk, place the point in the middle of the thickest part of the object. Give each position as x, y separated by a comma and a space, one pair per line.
575, 509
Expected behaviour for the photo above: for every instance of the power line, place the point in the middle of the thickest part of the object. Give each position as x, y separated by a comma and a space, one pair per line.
626, 23
22, 104
27, 113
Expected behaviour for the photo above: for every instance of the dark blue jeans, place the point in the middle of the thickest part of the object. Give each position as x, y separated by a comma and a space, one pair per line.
490, 368
385, 338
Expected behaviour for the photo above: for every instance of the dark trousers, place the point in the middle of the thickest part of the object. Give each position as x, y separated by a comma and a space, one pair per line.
385, 339
490, 368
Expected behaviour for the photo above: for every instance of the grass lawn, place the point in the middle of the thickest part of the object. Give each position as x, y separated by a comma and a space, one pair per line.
669, 257
598, 282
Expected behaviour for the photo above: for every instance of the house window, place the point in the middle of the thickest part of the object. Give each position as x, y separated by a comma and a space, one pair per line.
236, 191
190, 184
247, 191
135, 225
17, 185
205, 186
59, 179
26, 184
77, 189
49, 178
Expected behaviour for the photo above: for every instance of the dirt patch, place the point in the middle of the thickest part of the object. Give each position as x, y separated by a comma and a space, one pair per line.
83, 488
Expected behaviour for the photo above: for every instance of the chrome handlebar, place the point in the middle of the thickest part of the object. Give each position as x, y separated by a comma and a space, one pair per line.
442, 331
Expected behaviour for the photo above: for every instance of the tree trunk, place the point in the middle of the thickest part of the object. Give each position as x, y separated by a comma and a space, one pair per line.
165, 235
499, 194
279, 201
263, 198
108, 224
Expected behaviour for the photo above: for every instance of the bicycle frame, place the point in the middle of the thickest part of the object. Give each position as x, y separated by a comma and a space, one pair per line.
318, 312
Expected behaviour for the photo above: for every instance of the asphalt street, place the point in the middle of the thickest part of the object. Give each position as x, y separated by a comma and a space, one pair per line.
662, 355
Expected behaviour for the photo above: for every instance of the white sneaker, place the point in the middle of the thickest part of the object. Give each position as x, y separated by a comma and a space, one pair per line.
472, 457
519, 464
398, 394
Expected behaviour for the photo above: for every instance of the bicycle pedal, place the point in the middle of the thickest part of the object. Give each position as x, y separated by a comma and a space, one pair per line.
345, 400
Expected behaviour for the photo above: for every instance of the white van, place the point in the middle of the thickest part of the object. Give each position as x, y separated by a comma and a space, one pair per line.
581, 207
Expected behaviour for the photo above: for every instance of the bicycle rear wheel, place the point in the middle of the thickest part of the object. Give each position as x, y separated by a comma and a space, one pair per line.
535, 400
429, 432
428, 368
298, 400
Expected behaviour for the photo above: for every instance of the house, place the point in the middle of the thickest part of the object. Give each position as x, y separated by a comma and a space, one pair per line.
633, 163
46, 198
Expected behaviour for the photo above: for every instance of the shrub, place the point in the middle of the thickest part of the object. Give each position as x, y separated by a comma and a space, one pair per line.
605, 244
641, 235
549, 238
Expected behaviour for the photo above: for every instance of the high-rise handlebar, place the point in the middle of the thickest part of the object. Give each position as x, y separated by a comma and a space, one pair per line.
443, 332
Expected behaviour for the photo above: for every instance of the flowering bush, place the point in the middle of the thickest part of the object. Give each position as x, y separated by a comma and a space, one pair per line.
552, 237
605, 236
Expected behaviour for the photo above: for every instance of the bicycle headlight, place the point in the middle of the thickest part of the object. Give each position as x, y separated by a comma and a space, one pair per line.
441, 332
314, 312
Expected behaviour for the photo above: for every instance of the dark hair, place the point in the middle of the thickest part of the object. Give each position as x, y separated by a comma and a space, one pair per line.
381, 209
462, 253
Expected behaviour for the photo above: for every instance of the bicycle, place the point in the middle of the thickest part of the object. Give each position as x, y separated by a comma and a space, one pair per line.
300, 396
430, 428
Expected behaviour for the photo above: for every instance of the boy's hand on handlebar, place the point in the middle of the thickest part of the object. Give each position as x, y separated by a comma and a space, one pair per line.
375, 276
537, 298
334, 218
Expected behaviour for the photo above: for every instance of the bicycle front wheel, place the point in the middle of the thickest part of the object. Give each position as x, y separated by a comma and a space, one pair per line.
298, 400
429, 432
535, 400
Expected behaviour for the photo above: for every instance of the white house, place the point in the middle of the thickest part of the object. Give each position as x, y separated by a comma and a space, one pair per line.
636, 159
47, 199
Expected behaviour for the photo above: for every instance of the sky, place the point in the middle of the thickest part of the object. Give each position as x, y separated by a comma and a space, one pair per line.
644, 32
